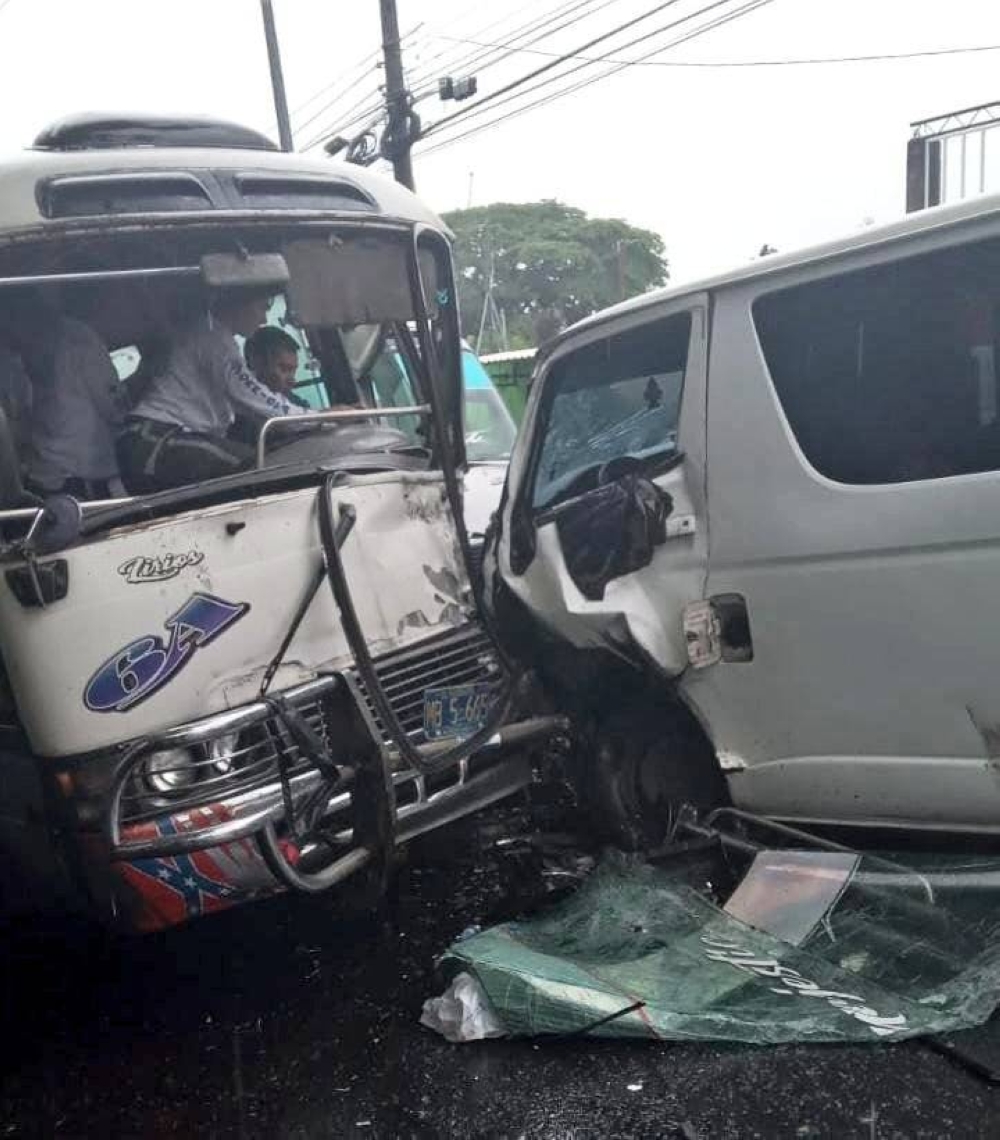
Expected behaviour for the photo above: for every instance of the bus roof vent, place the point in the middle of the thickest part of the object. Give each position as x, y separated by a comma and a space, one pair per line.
155, 192
300, 192
94, 131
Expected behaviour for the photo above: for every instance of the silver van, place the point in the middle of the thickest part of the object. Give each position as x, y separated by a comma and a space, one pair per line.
751, 533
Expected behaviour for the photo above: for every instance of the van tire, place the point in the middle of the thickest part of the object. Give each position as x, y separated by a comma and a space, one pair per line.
640, 769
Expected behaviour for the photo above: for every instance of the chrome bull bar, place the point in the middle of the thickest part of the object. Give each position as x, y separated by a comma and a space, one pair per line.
252, 811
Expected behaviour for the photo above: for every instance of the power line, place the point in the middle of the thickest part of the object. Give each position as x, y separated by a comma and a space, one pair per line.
511, 90
365, 99
745, 10
539, 29
751, 62
345, 120
536, 27
425, 67
549, 66
355, 116
346, 86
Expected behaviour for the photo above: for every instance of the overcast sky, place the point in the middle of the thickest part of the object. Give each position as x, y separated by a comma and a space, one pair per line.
717, 160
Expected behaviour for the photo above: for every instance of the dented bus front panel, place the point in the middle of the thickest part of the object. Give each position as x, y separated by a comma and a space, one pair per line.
164, 623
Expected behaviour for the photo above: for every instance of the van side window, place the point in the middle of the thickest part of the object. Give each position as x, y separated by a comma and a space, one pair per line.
616, 397
890, 375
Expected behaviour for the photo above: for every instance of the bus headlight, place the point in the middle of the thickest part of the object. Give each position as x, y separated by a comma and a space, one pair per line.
220, 753
170, 770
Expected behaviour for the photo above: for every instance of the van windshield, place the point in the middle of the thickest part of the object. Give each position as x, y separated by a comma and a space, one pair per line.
614, 398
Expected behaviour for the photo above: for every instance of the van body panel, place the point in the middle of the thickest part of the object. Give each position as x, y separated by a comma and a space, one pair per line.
643, 609
871, 693
873, 687
945, 792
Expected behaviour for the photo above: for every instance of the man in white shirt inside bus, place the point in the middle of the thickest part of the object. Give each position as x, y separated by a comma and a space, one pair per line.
177, 433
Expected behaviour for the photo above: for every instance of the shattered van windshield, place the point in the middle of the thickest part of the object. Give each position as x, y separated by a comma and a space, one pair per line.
614, 398
809, 946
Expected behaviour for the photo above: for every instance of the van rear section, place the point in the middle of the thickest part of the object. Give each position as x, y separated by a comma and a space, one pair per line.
222, 686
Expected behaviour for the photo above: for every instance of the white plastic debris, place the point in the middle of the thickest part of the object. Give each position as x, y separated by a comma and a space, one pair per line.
462, 1012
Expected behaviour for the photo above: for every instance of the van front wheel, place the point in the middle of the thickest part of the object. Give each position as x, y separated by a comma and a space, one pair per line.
640, 768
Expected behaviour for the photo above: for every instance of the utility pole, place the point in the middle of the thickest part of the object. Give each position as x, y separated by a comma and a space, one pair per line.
403, 127
277, 78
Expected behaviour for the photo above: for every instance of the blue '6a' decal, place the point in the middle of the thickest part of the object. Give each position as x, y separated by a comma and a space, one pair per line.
145, 665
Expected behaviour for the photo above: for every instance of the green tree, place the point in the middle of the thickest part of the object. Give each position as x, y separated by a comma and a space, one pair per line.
551, 265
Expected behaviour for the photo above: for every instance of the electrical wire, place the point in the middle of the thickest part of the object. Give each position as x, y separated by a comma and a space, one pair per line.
480, 61
514, 91
725, 18
366, 99
746, 9
583, 83
370, 61
340, 83
362, 108
516, 83
755, 62
346, 86
424, 68
538, 27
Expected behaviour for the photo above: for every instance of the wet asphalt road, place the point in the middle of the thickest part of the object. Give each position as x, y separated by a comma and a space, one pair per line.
290, 1019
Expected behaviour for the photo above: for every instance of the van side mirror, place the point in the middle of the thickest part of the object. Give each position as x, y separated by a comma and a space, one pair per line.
12, 491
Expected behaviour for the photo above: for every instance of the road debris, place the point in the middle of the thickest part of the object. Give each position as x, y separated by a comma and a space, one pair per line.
462, 1012
803, 945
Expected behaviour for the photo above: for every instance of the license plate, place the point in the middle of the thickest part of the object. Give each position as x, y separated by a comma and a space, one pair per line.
458, 710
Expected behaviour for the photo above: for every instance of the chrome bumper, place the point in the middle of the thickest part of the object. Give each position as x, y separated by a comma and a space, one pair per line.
488, 775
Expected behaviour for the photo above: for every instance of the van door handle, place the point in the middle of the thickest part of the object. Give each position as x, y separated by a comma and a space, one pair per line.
680, 526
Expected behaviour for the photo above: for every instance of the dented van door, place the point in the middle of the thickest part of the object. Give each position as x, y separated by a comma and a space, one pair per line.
604, 528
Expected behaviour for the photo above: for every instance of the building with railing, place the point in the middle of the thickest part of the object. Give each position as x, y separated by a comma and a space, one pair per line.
953, 156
